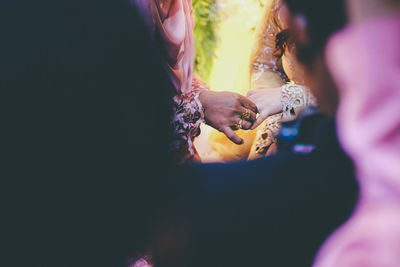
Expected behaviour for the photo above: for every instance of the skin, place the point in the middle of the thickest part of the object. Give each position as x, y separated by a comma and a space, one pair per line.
267, 101
222, 111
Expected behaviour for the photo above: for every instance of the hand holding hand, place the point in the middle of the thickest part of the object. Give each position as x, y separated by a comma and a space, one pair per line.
223, 111
268, 102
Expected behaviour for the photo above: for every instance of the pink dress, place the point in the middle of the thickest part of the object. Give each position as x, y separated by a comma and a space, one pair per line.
365, 62
171, 21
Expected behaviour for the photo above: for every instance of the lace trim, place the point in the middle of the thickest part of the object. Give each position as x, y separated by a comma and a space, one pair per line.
266, 133
294, 98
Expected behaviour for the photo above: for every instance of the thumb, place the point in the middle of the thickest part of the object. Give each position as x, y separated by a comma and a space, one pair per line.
247, 103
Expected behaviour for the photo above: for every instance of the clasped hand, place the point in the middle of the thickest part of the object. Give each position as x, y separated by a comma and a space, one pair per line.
224, 110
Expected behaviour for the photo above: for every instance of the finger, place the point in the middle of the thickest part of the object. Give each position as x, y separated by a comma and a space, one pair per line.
232, 136
253, 116
258, 121
246, 125
247, 103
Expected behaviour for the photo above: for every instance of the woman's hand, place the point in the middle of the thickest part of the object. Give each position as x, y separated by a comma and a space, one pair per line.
223, 111
268, 102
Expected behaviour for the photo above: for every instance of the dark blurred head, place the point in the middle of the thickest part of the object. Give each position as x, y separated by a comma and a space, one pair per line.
86, 129
321, 19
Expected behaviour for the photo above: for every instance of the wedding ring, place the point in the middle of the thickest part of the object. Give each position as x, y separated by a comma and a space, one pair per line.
238, 125
246, 115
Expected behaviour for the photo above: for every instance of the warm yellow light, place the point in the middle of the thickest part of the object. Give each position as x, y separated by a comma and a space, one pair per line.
236, 34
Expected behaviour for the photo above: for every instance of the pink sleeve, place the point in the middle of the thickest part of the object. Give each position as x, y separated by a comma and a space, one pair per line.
173, 22
365, 63
191, 13
189, 113
198, 84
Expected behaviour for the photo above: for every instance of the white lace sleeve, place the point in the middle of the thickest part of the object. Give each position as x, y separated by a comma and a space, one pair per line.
294, 99
266, 133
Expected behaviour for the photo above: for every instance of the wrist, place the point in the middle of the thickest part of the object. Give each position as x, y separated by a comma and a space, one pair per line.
276, 106
203, 98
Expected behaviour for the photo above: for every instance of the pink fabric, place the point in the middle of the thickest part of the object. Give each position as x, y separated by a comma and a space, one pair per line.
173, 21
142, 263
365, 62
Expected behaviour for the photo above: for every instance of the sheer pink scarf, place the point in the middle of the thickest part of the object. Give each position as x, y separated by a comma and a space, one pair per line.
365, 62
172, 20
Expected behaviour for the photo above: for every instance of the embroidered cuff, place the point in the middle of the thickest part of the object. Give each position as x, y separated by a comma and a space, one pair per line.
294, 98
188, 116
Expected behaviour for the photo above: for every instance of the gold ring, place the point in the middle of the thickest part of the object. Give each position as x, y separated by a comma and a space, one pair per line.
246, 115
238, 125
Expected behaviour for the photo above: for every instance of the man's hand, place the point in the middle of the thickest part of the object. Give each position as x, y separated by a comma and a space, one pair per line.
223, 111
